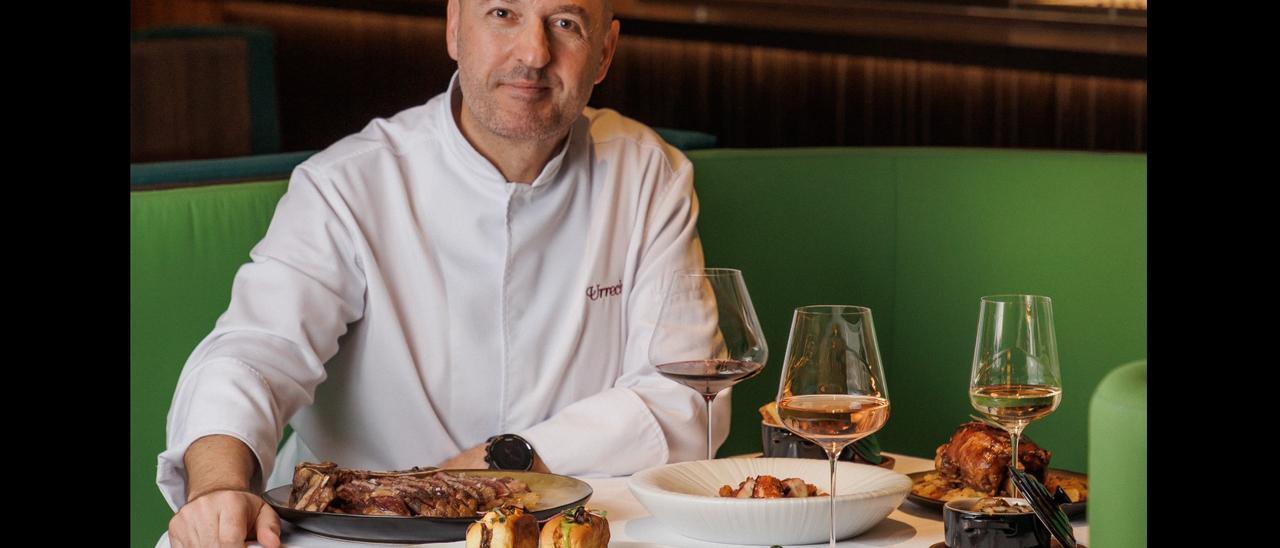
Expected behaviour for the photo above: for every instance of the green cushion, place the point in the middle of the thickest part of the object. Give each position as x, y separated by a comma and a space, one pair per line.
1118, 458
185, 247
919, 235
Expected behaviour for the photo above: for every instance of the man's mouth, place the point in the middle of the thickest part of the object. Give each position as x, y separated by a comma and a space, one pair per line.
525, 84
526, 88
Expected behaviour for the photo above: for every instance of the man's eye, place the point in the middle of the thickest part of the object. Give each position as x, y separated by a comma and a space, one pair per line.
501, 13
565, 24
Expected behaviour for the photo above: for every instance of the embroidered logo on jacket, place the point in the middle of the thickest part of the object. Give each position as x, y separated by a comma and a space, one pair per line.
597, 292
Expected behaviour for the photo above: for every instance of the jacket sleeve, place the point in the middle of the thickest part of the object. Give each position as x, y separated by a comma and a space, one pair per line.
265, 356
645, 420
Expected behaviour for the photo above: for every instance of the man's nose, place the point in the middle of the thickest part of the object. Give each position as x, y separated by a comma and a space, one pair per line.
532, 48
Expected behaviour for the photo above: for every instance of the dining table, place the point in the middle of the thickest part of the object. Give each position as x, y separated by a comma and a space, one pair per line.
632, 526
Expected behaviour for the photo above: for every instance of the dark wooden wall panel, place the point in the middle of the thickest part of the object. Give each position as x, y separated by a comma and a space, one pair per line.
337, 69
149, 13
188, 99
781, 97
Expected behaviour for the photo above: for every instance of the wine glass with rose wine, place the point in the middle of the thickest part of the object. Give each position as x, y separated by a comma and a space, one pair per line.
1014, 379
707, 336
832, 390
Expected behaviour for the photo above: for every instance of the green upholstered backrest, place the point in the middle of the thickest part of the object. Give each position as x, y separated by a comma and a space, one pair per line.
918, 235
185, 247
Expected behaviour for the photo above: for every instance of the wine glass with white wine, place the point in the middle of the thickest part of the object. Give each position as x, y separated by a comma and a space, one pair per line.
1015, 377
832, 390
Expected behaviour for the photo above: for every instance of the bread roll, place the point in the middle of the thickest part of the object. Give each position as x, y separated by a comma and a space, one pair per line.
576, 528
506, 527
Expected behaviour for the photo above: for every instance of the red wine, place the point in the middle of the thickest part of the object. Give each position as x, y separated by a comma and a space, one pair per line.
709, 377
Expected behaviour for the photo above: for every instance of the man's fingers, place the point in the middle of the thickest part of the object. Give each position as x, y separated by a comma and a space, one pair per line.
233, 522
189, 530
268, 529
176, 525
224, 518
175, 541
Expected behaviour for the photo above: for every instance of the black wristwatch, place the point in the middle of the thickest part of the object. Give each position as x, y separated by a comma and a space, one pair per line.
509, 452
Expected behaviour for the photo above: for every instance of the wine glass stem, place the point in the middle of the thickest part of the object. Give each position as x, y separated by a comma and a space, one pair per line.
831, 457
1014, 434
711, 452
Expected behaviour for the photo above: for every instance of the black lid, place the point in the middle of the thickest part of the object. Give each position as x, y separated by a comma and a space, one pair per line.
1046, 507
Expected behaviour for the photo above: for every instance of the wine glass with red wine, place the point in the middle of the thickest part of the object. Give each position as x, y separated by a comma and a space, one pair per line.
707, 336
832, 390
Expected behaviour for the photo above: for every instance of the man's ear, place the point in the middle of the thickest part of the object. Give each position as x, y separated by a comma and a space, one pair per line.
451, 28
610, 45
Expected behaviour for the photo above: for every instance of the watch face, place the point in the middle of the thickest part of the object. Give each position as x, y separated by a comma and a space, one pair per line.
511, 454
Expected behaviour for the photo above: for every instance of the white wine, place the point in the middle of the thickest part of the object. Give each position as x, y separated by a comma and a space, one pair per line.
833, 420
1015, 404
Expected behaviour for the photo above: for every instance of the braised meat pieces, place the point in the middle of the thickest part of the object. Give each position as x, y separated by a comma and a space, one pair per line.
978, 457
324, 487
769, 487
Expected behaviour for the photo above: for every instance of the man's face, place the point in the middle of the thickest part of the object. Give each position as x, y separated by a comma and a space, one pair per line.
526, 67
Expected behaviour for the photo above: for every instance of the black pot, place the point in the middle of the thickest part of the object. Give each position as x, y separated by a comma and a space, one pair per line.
780, 442
968, 529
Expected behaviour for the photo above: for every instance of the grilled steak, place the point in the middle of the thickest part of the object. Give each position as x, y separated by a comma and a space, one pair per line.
324, 487
313, 486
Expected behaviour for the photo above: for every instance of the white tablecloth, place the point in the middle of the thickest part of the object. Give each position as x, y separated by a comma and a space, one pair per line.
631, 526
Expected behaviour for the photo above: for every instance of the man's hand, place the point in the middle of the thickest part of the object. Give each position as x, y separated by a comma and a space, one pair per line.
220, 508
225, 518
474, 458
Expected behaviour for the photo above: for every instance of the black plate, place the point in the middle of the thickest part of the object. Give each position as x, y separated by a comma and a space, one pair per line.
1072, 509
556, 494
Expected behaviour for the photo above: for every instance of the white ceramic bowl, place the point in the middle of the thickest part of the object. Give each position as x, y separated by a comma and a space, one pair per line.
683, 497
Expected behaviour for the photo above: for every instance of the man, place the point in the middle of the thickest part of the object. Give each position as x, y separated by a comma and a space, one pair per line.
489, 263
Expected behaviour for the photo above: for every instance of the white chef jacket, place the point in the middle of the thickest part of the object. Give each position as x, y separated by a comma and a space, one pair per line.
407, 302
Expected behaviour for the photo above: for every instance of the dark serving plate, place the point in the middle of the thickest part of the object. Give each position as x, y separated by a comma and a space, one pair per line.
781, 443
556, 494
1072, 509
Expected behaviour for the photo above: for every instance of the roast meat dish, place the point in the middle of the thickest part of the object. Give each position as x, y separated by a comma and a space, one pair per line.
769, 487
978, 455
324, 487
